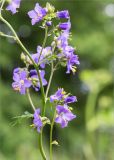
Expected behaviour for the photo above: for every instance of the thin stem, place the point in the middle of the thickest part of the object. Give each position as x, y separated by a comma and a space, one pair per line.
2, 5
41, 144
50, 79
51, 134
41, 86
8, 36
18, 40
48, 87
44, 42
51, 75
30, 100
89, 113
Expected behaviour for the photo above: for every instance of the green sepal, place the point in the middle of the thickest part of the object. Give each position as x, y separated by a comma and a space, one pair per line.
45, 121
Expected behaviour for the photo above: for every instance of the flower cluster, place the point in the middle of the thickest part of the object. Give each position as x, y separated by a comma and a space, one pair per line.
58, 53
63, 111
57, 25
64, 114
61, 97
24, 79
66, 53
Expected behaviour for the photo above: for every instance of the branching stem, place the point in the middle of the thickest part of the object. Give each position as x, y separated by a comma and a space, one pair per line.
3, 1
7, 36
37, 69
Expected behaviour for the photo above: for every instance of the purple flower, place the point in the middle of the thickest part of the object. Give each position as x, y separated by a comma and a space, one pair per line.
70, 99
14, 4
39, 58
63, 14
67, 53
21, 81
65, 26
72, 60
37, 120
58, 95
68, 50
37, 14
62, 40
61, 96
35, 56
35, 79
64, 115
16, 70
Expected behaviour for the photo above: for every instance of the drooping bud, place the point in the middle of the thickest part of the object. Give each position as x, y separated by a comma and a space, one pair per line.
65, 25
63, 14
49, 23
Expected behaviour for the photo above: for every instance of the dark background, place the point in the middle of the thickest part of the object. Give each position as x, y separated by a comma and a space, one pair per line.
91, 135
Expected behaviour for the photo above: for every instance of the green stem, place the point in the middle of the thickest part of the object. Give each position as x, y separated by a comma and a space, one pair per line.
89, 113
51, 75
30, 100
18, 40
44, 42
2, 5
41, 144
41, 86
51, 134
47, 90
37, 69
50, 79
7, 36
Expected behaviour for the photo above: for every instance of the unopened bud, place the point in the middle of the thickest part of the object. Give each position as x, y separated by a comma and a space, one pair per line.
50, 8
23, 57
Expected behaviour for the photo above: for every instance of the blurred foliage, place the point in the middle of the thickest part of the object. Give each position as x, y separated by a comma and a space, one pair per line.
91, 135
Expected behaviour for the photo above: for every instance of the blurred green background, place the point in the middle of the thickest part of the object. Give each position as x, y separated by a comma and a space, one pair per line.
91, 135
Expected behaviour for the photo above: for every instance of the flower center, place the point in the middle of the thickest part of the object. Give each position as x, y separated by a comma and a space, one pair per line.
22, 82
17, 88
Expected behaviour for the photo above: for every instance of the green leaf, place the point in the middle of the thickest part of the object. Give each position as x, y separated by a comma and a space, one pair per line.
18, 119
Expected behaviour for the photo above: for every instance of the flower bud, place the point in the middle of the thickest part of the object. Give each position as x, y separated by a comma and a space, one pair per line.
65, 25
50, 8
49, 23
23, 57
63, 14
